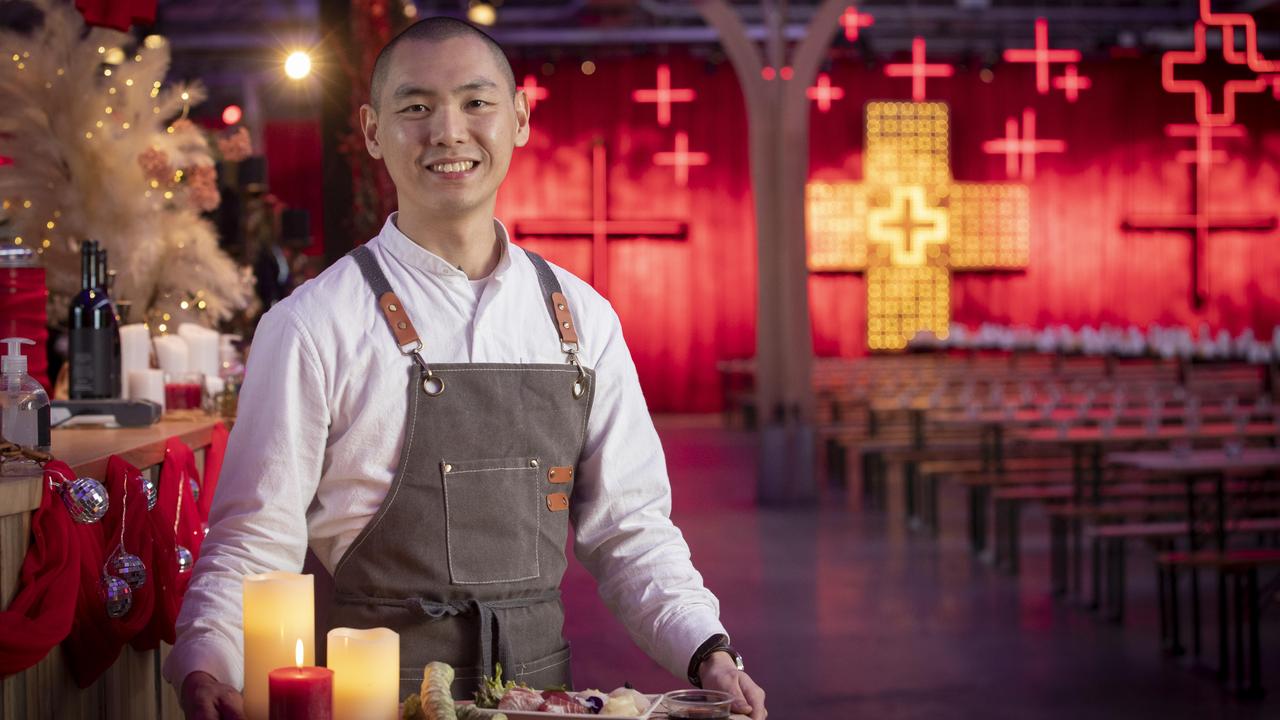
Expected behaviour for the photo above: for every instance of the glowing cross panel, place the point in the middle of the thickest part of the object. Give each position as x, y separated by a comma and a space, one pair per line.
681, 159
1205, 114
664, 95
1071, 82
909, 225
824, 92
1042, 56
852, 21
918, 70
1022, 151
913, 229
902, 301
533, 91
990, 227
1228, 21
907, 143
836, 221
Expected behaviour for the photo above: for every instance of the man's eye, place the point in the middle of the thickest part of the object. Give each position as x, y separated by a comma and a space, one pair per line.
478, 103
419, 107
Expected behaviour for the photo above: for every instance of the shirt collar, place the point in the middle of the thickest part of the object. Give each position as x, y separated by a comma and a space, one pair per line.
415, 256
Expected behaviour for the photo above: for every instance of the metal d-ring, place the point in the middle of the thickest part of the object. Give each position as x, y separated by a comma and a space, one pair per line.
432, 384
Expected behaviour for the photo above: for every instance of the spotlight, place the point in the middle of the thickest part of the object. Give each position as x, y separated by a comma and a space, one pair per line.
297, 65
482, 13
231, 114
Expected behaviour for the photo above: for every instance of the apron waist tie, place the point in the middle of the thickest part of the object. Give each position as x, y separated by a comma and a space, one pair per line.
489, 623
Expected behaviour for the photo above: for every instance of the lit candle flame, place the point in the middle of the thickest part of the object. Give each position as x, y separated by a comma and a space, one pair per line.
297, 653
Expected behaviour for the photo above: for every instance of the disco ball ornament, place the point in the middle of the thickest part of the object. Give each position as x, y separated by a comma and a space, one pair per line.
129, 568
185, 559
86, 499
117, 595
195, 489
150, 490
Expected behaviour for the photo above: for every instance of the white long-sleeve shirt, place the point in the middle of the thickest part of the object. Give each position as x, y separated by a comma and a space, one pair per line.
321, 420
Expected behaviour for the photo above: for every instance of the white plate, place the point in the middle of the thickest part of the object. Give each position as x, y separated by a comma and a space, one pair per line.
535, 715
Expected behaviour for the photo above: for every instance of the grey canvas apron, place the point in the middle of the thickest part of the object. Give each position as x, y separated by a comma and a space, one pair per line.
465, 555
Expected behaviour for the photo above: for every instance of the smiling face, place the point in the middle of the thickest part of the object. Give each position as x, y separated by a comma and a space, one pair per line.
446, 125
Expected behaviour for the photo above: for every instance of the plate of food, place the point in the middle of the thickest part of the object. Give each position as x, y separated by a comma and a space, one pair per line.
497, 700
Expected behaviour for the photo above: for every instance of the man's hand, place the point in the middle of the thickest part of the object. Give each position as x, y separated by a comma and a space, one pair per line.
204, 698
718, 672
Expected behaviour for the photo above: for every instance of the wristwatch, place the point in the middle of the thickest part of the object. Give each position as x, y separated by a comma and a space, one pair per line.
714, 644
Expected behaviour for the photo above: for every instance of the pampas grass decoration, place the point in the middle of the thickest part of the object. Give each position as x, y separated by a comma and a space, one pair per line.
79, 132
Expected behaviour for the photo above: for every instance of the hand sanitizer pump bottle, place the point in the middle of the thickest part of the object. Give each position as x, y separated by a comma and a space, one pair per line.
24, 409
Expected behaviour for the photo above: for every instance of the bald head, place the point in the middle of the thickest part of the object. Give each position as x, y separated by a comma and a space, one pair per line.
435, 30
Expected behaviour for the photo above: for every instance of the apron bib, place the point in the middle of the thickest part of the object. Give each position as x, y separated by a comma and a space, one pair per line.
465, 555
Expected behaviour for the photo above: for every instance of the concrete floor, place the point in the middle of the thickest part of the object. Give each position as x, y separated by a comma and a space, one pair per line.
844, 613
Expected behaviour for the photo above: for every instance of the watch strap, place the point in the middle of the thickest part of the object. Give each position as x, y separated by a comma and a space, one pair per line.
716, 643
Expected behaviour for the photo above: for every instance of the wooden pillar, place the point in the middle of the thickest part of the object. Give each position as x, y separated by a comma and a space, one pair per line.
778, 120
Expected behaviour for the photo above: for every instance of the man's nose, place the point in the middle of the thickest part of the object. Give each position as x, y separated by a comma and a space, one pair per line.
449, 128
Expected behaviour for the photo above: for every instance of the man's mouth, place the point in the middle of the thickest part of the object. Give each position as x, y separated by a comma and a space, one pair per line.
452, 167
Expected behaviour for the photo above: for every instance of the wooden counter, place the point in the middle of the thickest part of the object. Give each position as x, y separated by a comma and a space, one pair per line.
132, 688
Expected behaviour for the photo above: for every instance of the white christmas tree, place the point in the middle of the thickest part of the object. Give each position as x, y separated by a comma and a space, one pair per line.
101, 150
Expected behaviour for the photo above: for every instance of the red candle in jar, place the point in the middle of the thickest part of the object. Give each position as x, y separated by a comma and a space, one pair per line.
300, 693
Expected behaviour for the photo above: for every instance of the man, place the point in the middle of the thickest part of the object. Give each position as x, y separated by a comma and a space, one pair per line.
441, 507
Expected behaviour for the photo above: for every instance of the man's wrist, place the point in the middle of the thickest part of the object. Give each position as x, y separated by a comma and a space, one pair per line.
712, 654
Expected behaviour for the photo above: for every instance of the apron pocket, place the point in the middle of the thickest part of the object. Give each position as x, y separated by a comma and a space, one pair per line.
492, 518
550, 671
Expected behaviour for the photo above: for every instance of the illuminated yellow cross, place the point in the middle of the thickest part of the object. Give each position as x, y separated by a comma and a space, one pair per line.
908, 224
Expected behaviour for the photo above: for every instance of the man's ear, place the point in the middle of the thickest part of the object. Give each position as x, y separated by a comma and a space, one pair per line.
369, 124
522, 119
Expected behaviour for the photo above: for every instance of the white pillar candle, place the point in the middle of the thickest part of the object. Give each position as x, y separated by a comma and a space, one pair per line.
366, 673
147, 384
135, 352
171, 352
279, 609
203, 344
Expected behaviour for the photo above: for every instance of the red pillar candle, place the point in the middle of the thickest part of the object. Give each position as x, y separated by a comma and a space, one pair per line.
300, 693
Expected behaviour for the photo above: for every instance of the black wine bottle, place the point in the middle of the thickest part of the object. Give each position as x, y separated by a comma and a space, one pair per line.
92, 326
106, 284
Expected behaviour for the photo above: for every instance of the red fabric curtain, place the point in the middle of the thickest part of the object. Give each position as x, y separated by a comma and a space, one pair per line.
41, 613
684, 304
294, 170
176, 508
118, 14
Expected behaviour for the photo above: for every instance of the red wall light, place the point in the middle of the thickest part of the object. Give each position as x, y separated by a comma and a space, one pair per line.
232, 114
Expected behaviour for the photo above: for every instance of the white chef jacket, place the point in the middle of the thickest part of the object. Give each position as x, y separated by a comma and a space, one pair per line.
321, 421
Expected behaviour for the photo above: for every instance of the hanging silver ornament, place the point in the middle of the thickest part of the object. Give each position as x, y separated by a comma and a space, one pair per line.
117, 596
185, 559
150, 490
195, 489
86, 499
129, 568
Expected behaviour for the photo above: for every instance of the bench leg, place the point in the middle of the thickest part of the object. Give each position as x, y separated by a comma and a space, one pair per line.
1057, 555
1175, 616
1119, 582
1096, 570
1225, 609
909, 492
1254, 603
1196, 635
1015, 539
1238, 623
